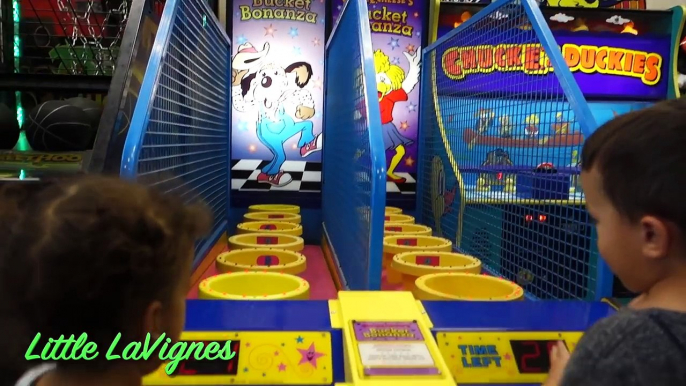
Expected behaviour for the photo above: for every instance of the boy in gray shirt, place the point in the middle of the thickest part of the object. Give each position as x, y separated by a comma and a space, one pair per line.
634, 179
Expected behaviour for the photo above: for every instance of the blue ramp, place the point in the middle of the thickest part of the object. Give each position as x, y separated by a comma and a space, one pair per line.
354, 162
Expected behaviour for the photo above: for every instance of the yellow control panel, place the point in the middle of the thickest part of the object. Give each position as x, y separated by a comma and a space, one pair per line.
261, 358
501, 357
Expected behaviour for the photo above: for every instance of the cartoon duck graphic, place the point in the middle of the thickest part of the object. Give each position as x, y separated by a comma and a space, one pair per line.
532, 122
393, 85
497, 157
629, 29
560, 127
483, 123
574, 185
506, 128
579, 25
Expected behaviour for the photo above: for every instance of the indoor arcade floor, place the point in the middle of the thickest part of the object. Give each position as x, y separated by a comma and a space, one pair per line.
317, 273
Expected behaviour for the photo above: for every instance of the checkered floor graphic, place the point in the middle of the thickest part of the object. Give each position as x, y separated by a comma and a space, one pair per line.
408, 187
307, 177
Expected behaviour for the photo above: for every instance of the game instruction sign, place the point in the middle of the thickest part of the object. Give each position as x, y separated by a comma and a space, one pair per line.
393, 348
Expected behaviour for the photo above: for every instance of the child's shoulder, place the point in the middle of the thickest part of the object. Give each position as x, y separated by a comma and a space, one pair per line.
637, 324
630, 329
643, 344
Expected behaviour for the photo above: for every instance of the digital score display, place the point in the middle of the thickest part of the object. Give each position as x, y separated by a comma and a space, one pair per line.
532, 356
501, 356
194, 366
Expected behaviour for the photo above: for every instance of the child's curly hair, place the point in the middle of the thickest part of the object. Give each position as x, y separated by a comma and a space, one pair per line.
89, 254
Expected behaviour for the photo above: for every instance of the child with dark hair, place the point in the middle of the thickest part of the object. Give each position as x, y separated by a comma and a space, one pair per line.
96, 255
634, 179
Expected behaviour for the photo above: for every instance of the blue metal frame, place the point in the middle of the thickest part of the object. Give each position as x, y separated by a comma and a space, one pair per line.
421, 139
144, 105
378, 153
357, 9
141, 113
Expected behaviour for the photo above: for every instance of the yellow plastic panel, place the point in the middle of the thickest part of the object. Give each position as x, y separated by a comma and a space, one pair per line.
264, 358
383, 315
489, 357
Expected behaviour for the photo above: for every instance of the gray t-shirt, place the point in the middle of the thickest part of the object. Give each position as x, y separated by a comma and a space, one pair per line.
632, 347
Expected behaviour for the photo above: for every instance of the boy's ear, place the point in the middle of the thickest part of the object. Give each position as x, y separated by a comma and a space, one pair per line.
153, 321
656, 237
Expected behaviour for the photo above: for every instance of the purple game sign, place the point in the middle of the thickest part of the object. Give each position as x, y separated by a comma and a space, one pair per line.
393, 349
604, 65
387, 331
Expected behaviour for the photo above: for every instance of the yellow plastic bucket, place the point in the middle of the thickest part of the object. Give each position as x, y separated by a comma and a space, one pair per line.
402, 218
412, 265
393, 245
466, 286
254, 285
283, 208
284, 228
393, 210
266, 240
272, 216
261, 259
399, 228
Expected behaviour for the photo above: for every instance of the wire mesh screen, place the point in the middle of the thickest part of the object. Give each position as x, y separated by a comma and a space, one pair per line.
354, 184
179, 135
70, 37
500, 152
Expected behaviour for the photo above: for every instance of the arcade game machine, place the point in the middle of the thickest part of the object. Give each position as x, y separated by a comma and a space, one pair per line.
65, 73
521, 209
283, 167
361, 338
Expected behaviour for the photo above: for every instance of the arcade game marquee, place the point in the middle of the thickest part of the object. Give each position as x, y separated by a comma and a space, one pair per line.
516, 140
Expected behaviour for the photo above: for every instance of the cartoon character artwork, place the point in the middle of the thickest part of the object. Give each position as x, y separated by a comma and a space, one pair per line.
282, 105
393, 85
560, 126
506, 127
573, 3
574, 185
531, 128
497, 157
483, 123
